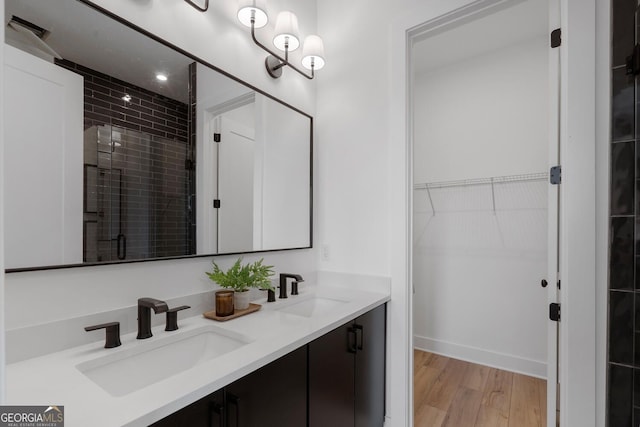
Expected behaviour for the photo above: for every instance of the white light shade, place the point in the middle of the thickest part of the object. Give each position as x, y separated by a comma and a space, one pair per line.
313, 52
257, 8
286, 29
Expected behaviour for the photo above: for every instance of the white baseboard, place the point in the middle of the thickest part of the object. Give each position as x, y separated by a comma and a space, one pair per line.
507, 362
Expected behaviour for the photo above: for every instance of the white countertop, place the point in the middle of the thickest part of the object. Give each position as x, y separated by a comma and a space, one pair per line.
54, 379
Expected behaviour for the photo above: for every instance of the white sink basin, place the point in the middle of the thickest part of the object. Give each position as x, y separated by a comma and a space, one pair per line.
312, 307
158, 358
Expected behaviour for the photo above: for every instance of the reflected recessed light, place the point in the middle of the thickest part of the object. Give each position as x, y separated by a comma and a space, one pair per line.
126, 98
161, 77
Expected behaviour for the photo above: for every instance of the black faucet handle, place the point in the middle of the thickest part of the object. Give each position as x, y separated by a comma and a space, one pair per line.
112, 334
294, 287
172, 317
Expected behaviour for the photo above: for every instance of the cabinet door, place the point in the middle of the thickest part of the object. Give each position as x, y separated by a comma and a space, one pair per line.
43, 110
331, 380
370, 368
206, 412
274, 395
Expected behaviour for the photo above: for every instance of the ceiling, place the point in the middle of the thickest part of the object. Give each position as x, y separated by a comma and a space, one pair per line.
480, 34
83, 35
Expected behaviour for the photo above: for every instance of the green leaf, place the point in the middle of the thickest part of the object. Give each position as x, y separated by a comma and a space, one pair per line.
242, 277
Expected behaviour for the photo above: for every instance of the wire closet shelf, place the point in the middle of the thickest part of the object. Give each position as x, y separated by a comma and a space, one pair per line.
483, 181
541, 176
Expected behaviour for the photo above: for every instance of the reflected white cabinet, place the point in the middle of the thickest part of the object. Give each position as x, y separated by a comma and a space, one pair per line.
43, 106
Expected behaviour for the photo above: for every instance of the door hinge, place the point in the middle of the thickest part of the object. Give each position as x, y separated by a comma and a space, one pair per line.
633, 62
216, 137
558, 283
554, 311
556, 38
216, 203
555, 175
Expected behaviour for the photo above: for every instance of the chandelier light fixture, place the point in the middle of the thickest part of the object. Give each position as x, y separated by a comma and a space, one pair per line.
252, 13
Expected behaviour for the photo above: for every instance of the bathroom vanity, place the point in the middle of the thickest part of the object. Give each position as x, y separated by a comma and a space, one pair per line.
335, 380
315, 359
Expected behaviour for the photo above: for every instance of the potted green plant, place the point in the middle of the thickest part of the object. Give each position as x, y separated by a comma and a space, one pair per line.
242, 277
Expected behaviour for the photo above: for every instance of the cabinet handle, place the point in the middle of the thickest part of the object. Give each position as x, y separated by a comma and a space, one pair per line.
359, 331
218, 409
352, 338
235, 400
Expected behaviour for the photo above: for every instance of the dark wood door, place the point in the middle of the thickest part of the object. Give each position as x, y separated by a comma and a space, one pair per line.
370, 368
332, 380
274, 395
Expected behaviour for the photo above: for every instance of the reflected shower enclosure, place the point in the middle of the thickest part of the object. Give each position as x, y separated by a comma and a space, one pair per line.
135, 201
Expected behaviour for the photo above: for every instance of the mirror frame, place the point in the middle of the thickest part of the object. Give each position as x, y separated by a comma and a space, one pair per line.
193, 57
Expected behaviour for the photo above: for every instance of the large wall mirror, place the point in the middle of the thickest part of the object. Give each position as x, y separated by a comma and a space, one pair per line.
121, 148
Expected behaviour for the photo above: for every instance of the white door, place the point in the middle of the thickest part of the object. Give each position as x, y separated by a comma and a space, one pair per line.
43, 107
236, 158
553, 264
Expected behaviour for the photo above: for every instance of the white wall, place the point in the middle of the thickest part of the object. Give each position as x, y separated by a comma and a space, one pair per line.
285, 175
603, 132
39, 297
476, 271
2, 294
483, 116
352, 135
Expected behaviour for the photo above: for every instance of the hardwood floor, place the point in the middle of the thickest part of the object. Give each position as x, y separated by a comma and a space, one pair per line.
453, 393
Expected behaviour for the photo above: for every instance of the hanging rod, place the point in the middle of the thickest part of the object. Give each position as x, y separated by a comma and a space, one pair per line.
483, 181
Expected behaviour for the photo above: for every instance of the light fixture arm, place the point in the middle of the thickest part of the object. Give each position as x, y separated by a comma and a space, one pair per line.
275, 62
200, 8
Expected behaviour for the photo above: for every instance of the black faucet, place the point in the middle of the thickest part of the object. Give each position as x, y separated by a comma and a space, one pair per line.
294, 286
144, 315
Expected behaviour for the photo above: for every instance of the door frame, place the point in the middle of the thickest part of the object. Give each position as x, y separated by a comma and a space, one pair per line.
577, 218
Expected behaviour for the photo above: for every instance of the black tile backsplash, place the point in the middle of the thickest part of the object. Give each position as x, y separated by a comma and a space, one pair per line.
637, 274
623, 393
621, 256
623, 37
622, 106
623, 168
620, 405
621, 322
157, 114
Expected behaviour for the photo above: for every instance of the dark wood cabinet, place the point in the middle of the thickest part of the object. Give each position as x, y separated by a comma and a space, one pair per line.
338, 380
370, 369
274, 395
347, 374
206, 412
332, 379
